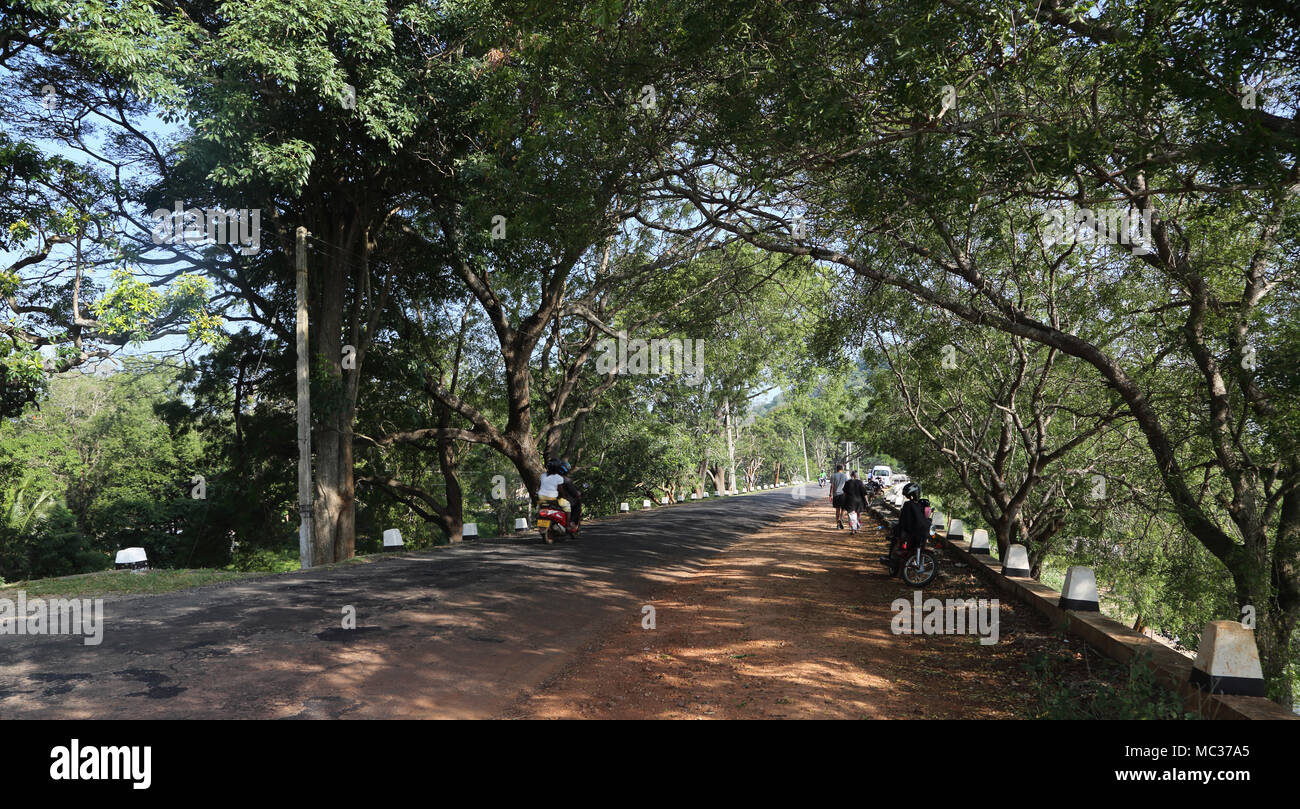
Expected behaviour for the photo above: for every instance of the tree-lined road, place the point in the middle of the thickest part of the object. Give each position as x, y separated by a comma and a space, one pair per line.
457, 632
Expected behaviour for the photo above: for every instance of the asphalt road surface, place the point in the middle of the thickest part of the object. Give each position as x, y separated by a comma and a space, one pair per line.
456, 632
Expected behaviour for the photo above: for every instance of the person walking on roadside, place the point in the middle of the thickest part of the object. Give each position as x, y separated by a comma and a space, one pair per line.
855, 501
837, 494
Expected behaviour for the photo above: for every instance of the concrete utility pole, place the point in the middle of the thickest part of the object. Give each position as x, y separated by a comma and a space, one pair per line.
304, 410
731, 452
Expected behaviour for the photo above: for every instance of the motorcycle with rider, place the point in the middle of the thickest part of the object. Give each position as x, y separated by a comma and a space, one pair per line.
559, 503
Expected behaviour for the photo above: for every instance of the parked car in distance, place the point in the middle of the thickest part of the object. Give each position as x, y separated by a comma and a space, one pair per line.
883, 474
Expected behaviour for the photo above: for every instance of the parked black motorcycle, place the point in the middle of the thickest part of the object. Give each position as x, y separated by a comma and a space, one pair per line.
910, 560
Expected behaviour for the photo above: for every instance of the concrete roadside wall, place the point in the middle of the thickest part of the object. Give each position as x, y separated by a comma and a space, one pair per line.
1109, 637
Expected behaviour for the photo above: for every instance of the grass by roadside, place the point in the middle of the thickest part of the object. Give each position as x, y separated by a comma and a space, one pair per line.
121, 582
155, 581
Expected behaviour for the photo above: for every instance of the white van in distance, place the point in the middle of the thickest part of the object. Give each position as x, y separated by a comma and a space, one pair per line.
883, 474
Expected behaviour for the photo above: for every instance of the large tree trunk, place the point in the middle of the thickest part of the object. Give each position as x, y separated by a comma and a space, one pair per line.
335, 503
1274, 598
342, 302
1002, 530
453, 517
1277, 633
719, 479
1275, 637
335, 507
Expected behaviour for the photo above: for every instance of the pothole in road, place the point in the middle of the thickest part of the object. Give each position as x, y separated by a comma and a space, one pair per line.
153, 681
62, 683
57, 678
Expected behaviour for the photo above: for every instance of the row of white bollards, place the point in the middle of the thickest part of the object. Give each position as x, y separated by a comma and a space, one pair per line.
1227, 660
393, 536
136, 559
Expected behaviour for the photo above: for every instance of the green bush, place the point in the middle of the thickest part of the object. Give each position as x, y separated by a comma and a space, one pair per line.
1138, 696
265, 560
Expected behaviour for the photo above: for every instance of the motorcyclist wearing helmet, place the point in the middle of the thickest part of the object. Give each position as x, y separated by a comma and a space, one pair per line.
557, 489
913, 519
874, 486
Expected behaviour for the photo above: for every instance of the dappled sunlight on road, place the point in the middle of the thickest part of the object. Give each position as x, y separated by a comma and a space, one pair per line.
455, 632
794, 621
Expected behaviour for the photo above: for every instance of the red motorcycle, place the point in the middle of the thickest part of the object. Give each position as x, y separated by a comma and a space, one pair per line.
552, 523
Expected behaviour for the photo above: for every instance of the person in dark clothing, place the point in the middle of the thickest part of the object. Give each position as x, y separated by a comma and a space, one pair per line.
913, 521
570, 491
874, 488
855, 501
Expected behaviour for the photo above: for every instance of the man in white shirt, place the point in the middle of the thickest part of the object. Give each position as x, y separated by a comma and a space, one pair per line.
837, 494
